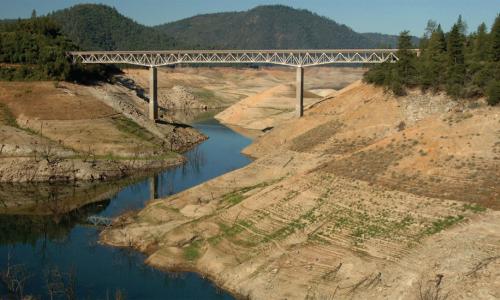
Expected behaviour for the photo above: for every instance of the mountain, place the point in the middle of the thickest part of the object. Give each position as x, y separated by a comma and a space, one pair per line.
100, 27
387, 40
266, 27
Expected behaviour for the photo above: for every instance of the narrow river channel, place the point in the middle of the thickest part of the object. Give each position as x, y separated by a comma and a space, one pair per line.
60, 256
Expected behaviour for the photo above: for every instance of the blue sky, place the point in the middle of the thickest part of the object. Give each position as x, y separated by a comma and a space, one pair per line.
385, 16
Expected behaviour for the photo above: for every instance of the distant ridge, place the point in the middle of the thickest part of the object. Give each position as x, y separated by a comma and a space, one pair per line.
101, 27
270, 27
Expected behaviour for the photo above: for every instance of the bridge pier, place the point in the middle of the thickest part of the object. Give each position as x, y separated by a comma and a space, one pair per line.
153, 94
299, 105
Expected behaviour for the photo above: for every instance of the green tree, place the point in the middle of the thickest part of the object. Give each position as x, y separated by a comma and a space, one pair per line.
462, 26
493, 89
433, 61
429, 29
477, 56
464, 65
481, 43
456, 61
405, 68
493, 92
495, 40
38, 49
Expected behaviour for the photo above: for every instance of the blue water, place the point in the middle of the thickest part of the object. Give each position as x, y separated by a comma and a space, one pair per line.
64, 257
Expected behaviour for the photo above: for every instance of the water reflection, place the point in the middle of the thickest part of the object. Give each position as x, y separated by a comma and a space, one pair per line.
55, 198
28, 229
190, 116
153, 187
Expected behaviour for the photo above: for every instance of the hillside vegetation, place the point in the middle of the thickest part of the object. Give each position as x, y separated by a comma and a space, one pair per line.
465, 66
269, 27
100, 27
35, 49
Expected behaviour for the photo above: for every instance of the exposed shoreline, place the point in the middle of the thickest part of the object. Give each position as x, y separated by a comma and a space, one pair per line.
272, 229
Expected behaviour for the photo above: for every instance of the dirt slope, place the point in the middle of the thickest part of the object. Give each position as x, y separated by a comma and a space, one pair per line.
63, 131
367, 196
438, 148
266, 109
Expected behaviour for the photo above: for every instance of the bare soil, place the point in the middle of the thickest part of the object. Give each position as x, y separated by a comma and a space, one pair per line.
367, 196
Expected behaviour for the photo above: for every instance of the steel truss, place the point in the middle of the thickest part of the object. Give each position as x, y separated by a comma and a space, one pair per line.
293, 58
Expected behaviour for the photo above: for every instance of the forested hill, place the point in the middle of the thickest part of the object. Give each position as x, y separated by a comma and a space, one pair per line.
35, 49
100, 27
269, 27
387, 40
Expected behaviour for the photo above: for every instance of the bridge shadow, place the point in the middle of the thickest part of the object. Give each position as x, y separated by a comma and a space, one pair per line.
131, 85
172, 123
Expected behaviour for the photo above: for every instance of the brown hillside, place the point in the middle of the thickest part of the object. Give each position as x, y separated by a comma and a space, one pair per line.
431, 149
367, 196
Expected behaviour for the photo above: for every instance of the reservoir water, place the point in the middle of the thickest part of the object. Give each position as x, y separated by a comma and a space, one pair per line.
58, 256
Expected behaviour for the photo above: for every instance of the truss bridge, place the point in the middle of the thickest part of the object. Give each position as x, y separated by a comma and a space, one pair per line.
292, 58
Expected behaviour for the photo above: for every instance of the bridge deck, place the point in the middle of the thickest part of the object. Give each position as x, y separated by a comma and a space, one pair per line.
288, 57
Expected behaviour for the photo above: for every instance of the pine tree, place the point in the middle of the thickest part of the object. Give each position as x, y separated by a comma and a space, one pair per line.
493, 89
406, 72
481, 43
462, 26
477, 56
429, 29
456, 61
466, 65
493, 92
433, 61
495, 40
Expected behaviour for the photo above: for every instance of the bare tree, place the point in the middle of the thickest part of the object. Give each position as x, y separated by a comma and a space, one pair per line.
14, 278
433, 289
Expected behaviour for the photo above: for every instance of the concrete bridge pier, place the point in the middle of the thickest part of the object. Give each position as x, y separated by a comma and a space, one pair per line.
299, 105
153, 94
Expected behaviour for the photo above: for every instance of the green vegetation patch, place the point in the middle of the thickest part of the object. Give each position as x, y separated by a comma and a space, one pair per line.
6, 116
192, 252
442, 224
474, 208
237, 196
130, 127
230, 232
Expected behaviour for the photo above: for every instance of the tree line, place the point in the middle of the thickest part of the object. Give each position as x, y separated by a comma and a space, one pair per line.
35, 49
465, 66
